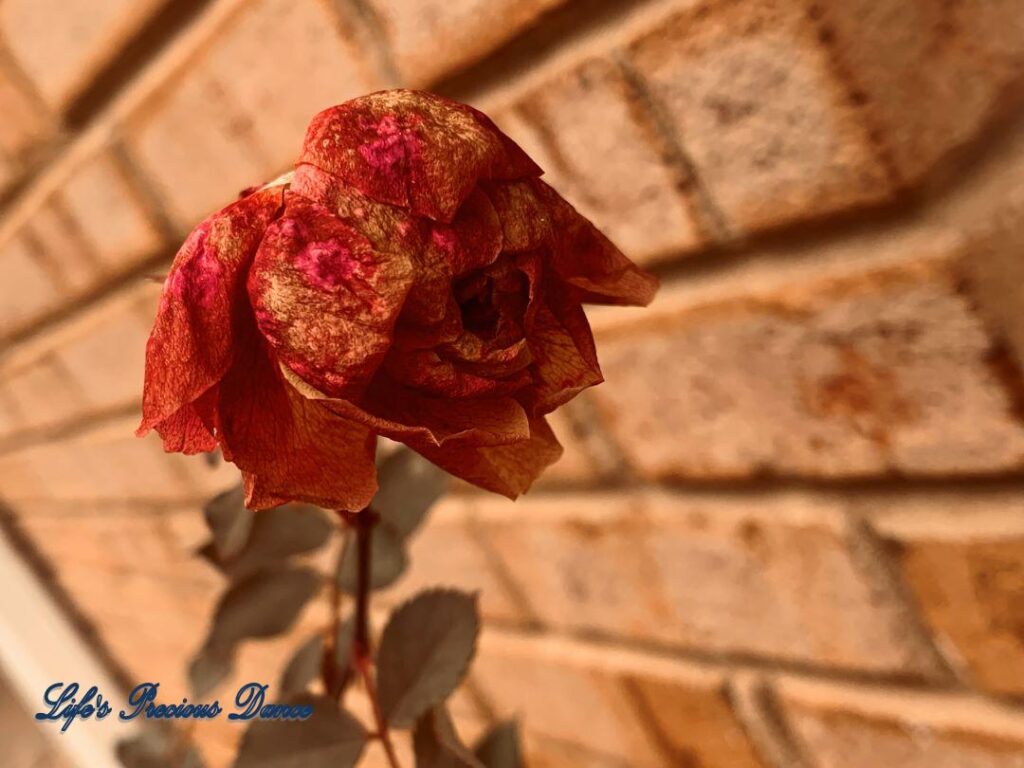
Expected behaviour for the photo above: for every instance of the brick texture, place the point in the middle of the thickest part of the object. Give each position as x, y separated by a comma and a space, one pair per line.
961, 557
886, 371
847, 727
61, 58
692, 721
435, 38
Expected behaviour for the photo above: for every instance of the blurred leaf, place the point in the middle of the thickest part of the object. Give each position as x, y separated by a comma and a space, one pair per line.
303, 667
437, 745
424, 652
500, 747
343, 652
330, 738
229, 521
263, 605
388, 559
409, 486
208, 669
306, 664
157, 748
277, 534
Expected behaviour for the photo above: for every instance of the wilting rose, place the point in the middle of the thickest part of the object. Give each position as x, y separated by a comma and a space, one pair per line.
413, 278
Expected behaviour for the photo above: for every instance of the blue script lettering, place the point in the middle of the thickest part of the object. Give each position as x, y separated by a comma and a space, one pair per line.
251, 701
143, 699
65, 706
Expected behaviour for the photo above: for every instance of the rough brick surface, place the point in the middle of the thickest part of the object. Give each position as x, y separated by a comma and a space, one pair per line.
761, 113
927, 75
256, 84
28, 289
62, 44
777, 576
961, 555
601, 150
888, 371
438, 37
848, 727
26, 126
565, 689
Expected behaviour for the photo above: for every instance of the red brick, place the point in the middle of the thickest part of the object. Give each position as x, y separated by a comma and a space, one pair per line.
774, 576
962, 555
433, 38
844, 372
110, 218
256, 84
850, 727
62, 44
600, 698
602, 153
27, 291
757, 104
929, 76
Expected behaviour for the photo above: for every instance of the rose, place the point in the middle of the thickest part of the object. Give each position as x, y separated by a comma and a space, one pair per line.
414, 279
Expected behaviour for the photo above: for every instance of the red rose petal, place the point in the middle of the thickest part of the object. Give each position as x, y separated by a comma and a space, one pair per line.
401, 413
413, 149
186, 432
325, 298
526, 219
506, 469
193, 339
293, 448
589, 261
564, 354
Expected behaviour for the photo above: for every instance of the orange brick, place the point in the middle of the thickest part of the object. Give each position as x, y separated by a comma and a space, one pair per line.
108, 462
961, 554
600, 697
57, 242
106, 354
27, 290
775, 576
758, 106
928, 77
445, 553
850, 727
108, 214
602, 154
255, 85
62, 44
850, 371
433, 38
25, 125
43, 393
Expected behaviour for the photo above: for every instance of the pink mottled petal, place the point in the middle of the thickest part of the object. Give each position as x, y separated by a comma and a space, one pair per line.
194, 338
325, 298
413, 149
506, 469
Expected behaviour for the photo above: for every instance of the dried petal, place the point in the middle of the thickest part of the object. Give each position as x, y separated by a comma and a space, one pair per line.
289, 446
414, 149
506, 469
193, 339
325, 298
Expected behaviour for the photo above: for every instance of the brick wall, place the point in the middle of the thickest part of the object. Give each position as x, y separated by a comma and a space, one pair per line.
789, 530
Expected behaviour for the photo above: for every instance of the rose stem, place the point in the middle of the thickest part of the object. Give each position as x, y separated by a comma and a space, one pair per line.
363, 523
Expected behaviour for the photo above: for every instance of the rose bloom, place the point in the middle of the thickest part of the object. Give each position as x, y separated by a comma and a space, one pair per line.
413, 278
